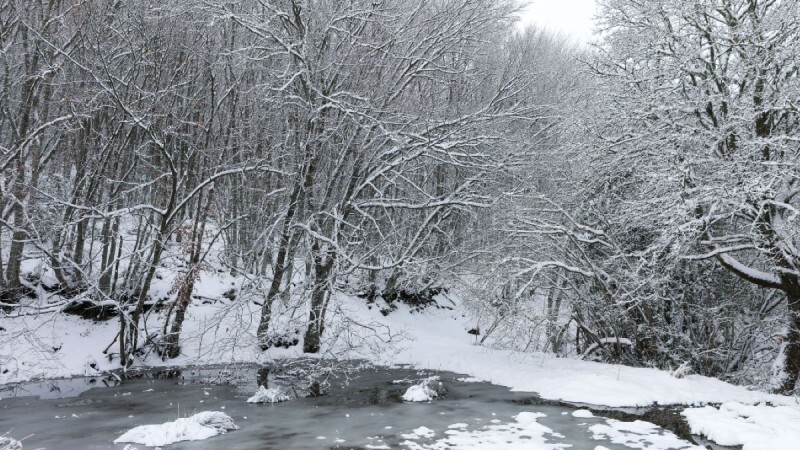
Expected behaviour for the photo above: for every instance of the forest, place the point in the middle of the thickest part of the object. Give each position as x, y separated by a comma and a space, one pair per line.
633, 201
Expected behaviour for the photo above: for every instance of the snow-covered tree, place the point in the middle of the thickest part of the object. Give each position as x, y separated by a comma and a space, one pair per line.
700, 140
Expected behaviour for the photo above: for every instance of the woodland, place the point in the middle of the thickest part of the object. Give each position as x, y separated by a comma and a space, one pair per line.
634, 200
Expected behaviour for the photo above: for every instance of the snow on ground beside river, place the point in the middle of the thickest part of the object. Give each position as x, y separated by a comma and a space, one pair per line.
754, 427
440, 342
435, 339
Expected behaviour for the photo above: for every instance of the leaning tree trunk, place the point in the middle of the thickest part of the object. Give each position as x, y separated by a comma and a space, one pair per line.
172, 346
278, 271
281, 261
129, 342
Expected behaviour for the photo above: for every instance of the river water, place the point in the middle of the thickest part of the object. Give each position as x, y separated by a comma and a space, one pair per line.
361, 413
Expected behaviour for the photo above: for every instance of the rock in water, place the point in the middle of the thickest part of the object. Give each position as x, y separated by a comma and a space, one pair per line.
200, 426
425, 391
270, 395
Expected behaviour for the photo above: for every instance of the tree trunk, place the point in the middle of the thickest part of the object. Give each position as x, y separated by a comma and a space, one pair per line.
184, 297
319, 294
279, 268
172, 346
792, 350
15, 254
553, 312
132, 341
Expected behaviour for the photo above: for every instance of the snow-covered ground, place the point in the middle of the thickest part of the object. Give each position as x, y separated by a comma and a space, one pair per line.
440, 342
754, 427
435, 339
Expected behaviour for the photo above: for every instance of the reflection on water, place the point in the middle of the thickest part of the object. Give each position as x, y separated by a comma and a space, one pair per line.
51, 389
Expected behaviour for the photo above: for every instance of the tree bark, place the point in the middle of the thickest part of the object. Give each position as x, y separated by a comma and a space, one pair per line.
792, 349
172, 348
323, 263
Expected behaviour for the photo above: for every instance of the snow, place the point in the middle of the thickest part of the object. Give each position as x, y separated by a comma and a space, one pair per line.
269, 395
640, 434
525, 433
434, 339
419, 393
582, 413
419, 433
7, 443
438, 342
605, 341
200, 426
424, 391
751, 426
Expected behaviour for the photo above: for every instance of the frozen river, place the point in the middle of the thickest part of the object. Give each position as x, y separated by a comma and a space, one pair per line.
364, 413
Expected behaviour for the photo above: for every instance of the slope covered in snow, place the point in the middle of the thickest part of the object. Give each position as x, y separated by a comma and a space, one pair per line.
439, 341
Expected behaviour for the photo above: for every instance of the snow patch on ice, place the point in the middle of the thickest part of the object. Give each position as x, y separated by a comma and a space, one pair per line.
582, 413
640, 434
200, 426
270, 395
525, 433
751, 426
419, 433
424, 432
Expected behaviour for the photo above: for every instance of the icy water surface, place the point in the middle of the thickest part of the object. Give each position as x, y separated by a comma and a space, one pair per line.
364, 413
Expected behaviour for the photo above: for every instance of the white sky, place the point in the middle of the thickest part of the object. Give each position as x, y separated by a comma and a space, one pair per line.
572, 17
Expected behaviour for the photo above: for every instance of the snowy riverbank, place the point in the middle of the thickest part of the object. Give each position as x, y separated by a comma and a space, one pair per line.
435, 339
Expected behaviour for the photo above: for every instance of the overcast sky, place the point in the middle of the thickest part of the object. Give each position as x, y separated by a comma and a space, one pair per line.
573, 17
